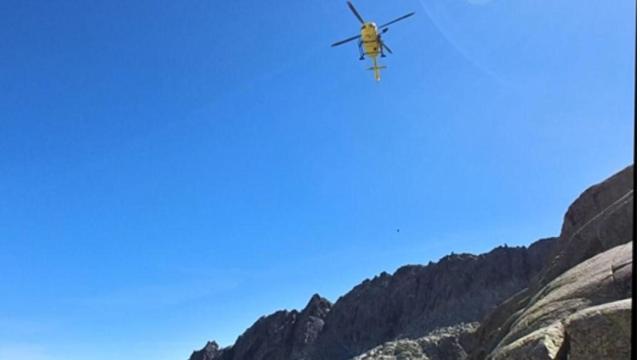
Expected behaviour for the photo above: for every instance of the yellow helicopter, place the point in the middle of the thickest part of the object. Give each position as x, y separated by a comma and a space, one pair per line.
370, 40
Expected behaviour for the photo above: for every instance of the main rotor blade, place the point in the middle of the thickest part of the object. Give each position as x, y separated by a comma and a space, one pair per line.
386, 47
396, 20
355, 12
346, 40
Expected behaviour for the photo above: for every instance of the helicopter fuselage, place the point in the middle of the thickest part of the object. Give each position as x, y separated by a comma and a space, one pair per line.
371, 45
370, 39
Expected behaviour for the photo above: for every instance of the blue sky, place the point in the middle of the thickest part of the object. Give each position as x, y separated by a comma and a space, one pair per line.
173, 170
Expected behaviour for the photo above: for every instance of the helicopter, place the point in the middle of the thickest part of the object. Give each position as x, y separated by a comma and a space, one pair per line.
370, 39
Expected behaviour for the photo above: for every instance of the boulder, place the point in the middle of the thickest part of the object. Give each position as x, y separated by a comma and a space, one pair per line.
601, 332
542, 344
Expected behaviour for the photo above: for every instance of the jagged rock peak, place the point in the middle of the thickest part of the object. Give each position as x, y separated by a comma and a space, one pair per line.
210, 351
318, 302
282, 335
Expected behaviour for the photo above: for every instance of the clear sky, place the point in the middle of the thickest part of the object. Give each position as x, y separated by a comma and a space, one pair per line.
172, 170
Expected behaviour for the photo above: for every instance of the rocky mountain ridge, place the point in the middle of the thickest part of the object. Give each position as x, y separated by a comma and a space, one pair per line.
510, 303
409, 303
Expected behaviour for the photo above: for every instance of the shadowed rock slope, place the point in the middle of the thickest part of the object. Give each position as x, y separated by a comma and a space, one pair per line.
410, 303
417, 299
281, 335
510, 303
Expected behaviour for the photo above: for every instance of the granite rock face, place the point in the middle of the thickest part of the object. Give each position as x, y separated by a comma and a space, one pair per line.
601, 218
540, 302
588, 267
563, 311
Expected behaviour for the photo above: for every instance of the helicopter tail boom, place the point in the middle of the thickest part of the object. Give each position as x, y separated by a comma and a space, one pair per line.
376, 69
